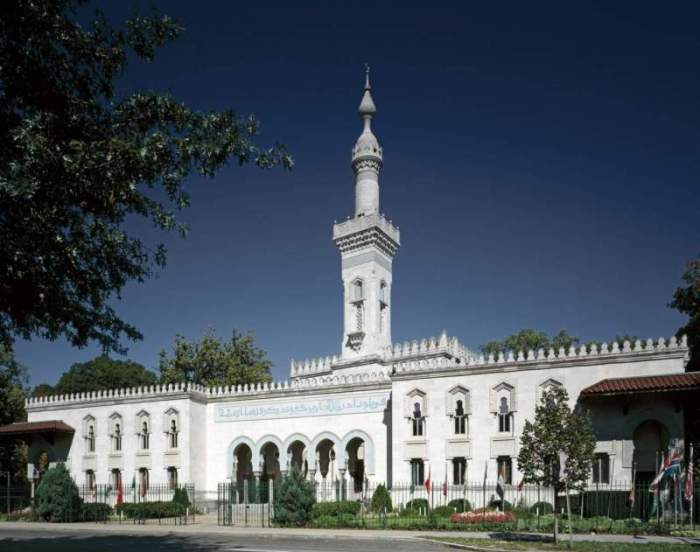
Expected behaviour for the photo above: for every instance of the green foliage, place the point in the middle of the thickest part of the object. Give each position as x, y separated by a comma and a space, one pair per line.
528, 339
381, 500
542, 507
294, 500
686, 300
180, 497
103, 372
150, 510
460, 505
415, 506
77, 161
343, 507
43, 390
57, 497
443, 511
213, 362
555, 429
496, 504
13, 390
96, 511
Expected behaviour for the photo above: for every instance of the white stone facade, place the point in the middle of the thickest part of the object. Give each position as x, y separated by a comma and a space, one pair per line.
375, 411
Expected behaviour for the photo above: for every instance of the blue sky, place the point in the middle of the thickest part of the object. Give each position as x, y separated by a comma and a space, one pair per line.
541, 160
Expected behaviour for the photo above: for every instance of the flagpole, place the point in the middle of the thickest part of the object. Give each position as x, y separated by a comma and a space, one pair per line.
634, 491
658, 498
483, 500
689, 482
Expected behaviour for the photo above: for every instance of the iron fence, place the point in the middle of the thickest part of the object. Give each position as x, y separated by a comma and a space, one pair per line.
246, 503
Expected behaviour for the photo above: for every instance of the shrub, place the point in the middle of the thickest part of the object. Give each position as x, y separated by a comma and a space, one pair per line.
294, 500
381, 500
500, 504
416, 506
181, 497
57, 496
443, 511
335, 509
460, 505
543, 508
150, 510
97, 511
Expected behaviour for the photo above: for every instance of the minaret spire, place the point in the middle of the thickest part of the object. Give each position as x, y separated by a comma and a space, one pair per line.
367, 157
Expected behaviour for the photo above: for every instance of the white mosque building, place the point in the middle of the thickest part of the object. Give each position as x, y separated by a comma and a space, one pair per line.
379, 411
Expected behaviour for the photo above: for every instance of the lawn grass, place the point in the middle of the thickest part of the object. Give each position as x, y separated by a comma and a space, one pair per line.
583, 546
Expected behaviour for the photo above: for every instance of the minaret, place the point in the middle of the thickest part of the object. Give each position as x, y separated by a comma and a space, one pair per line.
367, 243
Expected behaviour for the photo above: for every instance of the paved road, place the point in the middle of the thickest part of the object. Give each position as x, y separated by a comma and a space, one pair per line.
27, 540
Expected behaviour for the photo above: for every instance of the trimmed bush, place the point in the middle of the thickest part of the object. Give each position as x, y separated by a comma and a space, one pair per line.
499, 504
150, 510
417, 505
381, 501
460, 505
97, 511
335, 509
544, 508
294, 500
443, 511
57, 496
180, 497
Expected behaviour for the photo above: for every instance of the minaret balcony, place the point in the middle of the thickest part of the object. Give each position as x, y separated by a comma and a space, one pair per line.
368, 230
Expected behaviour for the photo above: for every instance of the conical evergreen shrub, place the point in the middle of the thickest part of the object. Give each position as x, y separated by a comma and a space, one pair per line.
294, 499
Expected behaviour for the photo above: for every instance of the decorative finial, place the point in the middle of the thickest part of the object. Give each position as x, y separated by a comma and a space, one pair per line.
367, 86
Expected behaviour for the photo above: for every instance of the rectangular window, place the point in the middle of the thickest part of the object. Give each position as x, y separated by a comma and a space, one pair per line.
172, 478
417, 471
504, 422
90, 479
505, 467
601, 468
459, 469
418, 426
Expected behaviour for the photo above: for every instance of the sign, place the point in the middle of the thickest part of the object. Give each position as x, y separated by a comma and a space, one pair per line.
300, 409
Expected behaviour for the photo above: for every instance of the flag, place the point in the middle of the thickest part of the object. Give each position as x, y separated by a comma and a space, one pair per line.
444, 486
120, 493
688, 491
563, 457
520, 485
501, 484
631, 496
427, 482
660, 475
674, 466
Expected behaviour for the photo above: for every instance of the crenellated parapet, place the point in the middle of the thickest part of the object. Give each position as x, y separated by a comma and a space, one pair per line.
606, 352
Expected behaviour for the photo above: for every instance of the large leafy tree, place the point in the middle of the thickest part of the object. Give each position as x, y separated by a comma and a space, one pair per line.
210, 361
77, 159
528, 339
13, 389
687, 301
103, 372
556, 428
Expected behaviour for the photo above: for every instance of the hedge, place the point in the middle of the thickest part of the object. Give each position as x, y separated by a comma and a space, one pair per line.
381, 501
97, 511
460, 505
335, 509
443, 511
542, 507
148, 510
499, 504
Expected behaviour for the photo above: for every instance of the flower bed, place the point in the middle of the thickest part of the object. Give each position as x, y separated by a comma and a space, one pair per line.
481, 516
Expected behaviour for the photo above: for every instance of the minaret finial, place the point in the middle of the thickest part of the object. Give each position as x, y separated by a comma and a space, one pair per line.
367, 86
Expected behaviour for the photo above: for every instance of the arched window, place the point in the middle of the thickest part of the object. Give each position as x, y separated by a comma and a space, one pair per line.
505, 469
460, 418
459, 469
90, 479
91, 438
144, 435
143, 481
172, 478
357, 291
173, 434
116, 479
505, 416
117, 437
418, 420
417, 471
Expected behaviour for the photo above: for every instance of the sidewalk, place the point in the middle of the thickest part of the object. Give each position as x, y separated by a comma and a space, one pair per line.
206, 525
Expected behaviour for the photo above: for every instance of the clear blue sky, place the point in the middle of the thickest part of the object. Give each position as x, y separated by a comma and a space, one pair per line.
542, 160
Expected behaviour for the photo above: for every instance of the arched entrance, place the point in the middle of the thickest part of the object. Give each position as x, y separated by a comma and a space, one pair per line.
355, 453
296, 457
651, 437
326, 460
270, 462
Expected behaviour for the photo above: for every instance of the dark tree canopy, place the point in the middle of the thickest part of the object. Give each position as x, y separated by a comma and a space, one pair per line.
213, 362
77, 159
13, 383
103, 372
528, 339
687, 301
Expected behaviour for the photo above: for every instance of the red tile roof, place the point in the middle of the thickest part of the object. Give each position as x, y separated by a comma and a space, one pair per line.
26, 428
644, 384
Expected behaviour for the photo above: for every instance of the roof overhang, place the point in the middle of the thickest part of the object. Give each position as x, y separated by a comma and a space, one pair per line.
666, 383
47, 429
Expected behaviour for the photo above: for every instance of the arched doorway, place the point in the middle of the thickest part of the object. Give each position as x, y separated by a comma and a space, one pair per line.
355, 450
651, 438
296, 457
270, 462
242, 469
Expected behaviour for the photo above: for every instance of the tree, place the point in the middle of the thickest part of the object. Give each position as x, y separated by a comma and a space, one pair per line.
77, 159
294, 500
103, 372
57, 496
529, 339
211, 362
13, 390
556, 429
43, 390
687, 301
